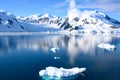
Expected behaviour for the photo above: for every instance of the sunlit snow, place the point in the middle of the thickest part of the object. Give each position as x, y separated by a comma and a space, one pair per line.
61, 72
107, 46
54, 49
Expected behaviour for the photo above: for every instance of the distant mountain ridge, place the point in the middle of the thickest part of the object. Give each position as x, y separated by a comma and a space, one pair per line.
12, 23
93, 20
43, 19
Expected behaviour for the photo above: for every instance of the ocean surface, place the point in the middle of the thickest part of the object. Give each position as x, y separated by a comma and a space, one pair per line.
23, 56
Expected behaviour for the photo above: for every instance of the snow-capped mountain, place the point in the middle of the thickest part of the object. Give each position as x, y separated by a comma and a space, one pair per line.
42, 19
12, 23
87, 20
8, 22
90, 20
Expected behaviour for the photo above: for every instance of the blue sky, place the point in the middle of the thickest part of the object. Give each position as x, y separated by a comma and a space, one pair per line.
59, 7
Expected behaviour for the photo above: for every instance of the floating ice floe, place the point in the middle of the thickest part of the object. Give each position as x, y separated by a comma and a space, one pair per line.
56, 57
107, 46
61, 72
54, 49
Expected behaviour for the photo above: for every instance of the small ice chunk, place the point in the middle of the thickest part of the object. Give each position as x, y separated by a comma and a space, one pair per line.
56, 57
54, 49
107, 46
61, 72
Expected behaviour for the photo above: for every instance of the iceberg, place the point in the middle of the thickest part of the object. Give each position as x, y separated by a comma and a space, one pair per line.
54, 49
107, 46
60, 72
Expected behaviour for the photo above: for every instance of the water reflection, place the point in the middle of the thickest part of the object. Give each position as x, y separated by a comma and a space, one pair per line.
85, 44
38, 42
74, 45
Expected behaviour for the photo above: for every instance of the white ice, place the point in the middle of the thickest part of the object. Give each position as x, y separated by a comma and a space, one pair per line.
107, 46
54, 49
61, 72
56, 57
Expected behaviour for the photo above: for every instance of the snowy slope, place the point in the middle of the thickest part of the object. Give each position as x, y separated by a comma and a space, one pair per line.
11, 23
8, 22
92, 20
97, 19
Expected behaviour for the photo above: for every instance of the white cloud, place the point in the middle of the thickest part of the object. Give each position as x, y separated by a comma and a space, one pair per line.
73, 10
108, 6
108, 1
105, 5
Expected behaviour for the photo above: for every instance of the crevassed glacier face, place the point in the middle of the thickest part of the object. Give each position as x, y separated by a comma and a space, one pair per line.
60, 72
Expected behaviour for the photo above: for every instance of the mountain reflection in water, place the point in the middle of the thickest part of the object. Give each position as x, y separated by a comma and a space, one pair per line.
73, 44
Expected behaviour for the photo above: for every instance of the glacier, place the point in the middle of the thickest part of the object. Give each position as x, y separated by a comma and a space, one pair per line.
61, 72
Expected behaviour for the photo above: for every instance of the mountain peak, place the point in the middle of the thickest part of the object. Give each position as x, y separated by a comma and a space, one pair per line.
92, 14
47, 15
5, 13
33, 17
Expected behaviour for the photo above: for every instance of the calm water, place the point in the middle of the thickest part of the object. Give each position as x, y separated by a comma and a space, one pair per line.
23, 56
